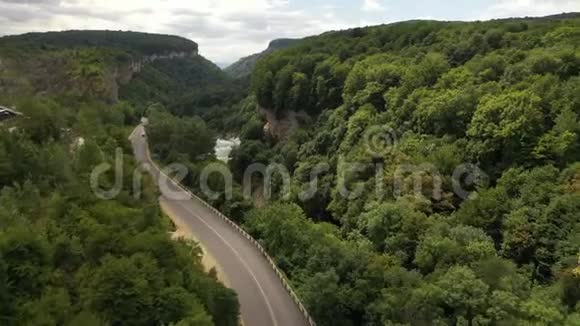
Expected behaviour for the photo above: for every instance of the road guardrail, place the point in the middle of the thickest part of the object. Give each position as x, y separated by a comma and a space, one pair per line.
239, 229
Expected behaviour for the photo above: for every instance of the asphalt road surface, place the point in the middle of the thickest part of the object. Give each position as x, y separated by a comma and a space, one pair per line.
264, 300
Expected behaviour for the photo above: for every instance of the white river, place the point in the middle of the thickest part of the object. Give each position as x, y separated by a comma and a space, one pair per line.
223, 148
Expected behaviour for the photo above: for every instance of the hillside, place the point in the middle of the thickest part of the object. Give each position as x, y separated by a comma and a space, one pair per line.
83, 240
100, 64
244, 67
446, 160
133, 42
423, 173
165, 81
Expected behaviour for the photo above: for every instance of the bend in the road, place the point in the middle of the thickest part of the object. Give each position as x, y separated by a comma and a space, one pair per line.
263, 298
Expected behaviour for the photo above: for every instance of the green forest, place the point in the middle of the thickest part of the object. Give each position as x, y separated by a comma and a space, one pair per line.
503, 96
474, 126
497, 98
130, 42
66, 256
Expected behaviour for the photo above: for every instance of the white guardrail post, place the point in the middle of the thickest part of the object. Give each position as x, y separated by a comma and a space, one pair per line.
278, 272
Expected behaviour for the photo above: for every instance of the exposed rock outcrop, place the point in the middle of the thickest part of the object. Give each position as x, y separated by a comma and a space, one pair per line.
123, 73
281, 126
90, 64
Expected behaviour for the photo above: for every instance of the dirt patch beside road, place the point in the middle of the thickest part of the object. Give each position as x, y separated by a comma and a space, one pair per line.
183, 232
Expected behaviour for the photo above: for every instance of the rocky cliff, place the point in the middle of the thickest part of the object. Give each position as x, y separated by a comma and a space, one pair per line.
123, 73
280, 126
83, 63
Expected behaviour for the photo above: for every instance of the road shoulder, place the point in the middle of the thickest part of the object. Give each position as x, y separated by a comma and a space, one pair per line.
182, 231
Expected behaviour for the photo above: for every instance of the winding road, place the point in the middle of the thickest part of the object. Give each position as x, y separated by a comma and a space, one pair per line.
263, 299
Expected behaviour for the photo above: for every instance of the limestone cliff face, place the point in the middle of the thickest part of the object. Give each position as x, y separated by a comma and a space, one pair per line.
85, 63
54, 75
123, 73
281, 126
136, 65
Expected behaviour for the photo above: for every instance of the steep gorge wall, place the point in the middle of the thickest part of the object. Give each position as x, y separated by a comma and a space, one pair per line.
122, 74
280, 126
54, 74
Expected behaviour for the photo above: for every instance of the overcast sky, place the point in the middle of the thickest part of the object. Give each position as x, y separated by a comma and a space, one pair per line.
229, 29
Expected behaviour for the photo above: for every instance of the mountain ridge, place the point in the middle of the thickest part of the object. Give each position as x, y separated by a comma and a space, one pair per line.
144, 43
398, 116
95, 63
244, 67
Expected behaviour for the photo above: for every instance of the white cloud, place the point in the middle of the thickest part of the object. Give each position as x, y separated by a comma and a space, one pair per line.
372, 5
225, 29
513, 8
229, 29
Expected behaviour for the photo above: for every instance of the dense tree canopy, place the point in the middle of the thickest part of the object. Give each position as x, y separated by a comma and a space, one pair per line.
470, 130
70, 258
478, 216
140, 43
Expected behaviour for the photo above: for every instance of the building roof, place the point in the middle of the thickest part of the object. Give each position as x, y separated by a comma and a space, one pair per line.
4, 109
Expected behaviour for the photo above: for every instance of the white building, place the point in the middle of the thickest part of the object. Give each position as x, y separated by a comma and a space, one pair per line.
6, 113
